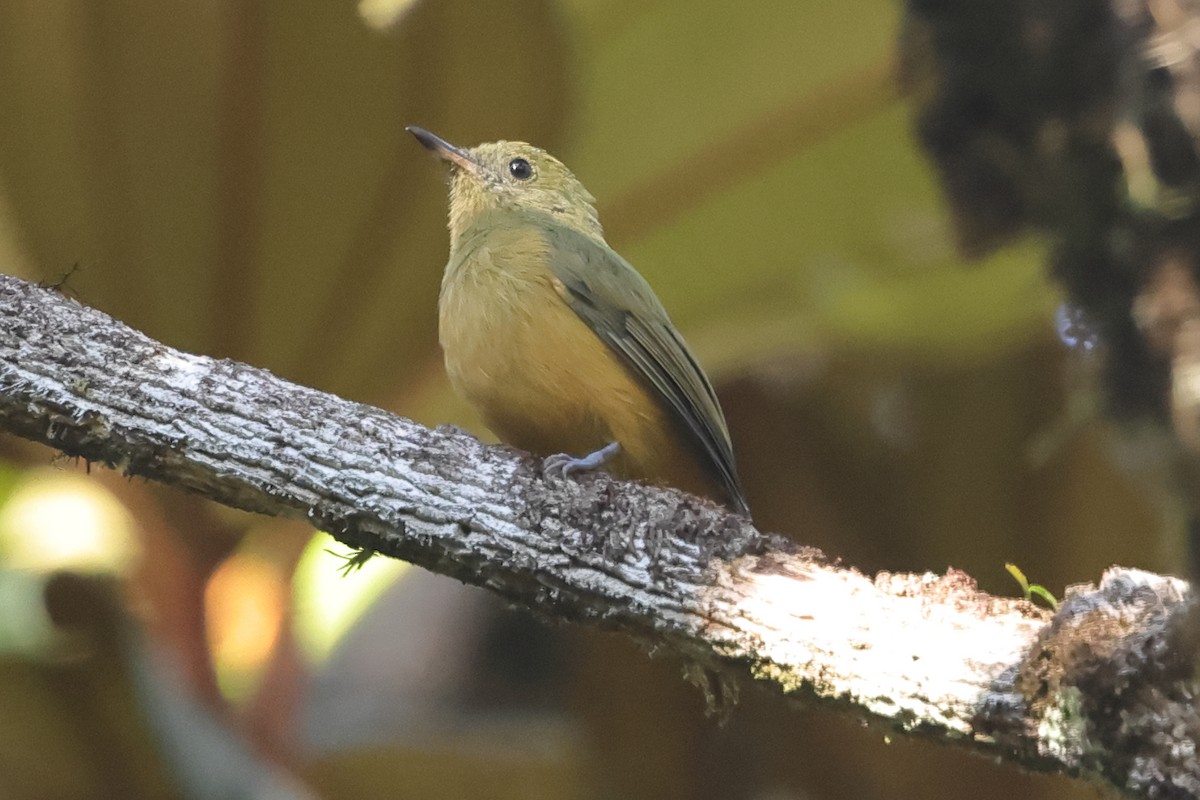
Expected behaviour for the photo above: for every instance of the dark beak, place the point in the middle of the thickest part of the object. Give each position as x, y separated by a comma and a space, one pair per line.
444, 150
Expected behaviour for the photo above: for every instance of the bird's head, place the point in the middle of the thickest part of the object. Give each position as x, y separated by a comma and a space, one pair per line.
511, 176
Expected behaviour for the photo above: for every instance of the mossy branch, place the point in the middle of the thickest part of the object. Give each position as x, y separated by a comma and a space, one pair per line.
1098, 689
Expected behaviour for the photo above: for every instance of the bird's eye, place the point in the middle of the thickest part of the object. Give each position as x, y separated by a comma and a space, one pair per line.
520, 169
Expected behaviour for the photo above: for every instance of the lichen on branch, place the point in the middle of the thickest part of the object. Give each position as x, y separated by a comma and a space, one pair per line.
1099, 689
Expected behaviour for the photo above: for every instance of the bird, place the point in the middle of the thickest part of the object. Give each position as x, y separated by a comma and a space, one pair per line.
557, 341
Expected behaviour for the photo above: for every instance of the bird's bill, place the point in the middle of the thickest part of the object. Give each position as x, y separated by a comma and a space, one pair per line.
444, 150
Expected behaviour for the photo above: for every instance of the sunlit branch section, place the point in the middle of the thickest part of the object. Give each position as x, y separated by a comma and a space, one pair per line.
1102, 688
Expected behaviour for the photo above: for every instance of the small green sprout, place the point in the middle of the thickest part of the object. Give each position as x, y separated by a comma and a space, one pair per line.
1031, 589
354, 560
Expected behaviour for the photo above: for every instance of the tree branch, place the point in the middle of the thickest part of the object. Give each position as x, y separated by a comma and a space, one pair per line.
1097, 690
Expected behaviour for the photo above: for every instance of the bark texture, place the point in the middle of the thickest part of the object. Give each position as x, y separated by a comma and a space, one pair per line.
1098, 689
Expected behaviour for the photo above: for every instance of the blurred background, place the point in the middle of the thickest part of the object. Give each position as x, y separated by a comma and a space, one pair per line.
233, 178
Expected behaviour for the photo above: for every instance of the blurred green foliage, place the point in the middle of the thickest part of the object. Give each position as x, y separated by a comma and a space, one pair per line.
233, 178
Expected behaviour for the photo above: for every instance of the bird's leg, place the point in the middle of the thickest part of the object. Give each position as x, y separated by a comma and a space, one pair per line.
563, 464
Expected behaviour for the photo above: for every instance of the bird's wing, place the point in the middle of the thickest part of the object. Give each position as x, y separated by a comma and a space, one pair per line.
620, 307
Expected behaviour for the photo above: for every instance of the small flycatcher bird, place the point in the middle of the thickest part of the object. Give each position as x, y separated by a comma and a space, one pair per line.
557, 341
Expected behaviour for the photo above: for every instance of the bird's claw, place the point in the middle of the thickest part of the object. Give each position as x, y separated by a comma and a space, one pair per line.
563, 465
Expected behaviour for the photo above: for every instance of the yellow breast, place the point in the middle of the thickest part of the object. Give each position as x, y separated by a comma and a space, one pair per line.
539, 376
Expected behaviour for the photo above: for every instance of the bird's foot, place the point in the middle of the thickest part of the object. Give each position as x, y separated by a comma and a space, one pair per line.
563, 464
